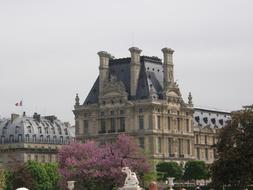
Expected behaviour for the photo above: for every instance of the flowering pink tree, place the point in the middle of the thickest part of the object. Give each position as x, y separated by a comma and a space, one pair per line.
95, 167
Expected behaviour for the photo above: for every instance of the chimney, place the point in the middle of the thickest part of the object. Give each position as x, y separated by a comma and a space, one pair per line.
103, 69
134, 69
168, 66
14, 116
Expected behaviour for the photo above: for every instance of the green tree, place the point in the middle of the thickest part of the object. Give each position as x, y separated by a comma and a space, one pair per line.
168, 169
235, 156
195, 170
34, 176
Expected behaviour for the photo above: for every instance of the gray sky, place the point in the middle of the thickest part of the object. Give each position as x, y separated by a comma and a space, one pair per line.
48, 48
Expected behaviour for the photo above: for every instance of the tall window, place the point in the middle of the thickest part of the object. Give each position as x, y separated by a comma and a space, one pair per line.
170, 146
178, 124
141, 122
159, 144
198, 153
40, 130
188, 147
122, 124
206, 153
197, 139
158, 122
141, 142
180, 144
103, 126
112, 125
169, 123
187, 125
85, 126
20, 138
205, 139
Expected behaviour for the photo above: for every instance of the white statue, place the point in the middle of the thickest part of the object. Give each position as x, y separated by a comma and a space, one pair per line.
131, 181
71, 185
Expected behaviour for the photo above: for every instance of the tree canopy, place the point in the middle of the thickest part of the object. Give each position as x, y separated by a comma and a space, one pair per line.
90, 164
234, 148
33, 175
169, 169
195, 170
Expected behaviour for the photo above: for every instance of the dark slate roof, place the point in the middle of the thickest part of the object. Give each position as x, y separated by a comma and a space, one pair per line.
150, 78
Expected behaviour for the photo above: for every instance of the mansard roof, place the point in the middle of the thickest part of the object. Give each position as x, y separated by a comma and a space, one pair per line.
34, 129
213, 118
150, 78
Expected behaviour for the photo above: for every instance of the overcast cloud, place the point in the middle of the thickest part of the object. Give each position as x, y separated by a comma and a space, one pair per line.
48, 48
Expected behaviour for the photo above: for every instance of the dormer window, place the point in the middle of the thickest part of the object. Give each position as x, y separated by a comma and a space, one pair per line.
41, 138
4, 131
59, 130
29, 129
17, 129
40, 130
53, 130
46, 129
66, 131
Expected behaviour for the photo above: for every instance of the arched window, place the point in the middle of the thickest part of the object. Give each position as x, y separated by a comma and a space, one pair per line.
46, 129
48, 138
40, 130
41, 138
66, 131
17, 129
34, 138
54, 139
61, 139
59, 130
19, 138
11, 138
27, 138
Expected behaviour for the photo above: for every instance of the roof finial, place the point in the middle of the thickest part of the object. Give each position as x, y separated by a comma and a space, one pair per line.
190, 99
77, 100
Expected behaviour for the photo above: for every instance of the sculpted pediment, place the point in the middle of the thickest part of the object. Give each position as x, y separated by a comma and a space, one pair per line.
114, 88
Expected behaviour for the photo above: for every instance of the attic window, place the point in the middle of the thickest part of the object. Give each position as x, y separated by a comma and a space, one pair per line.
153, 69
151, 85
158, 70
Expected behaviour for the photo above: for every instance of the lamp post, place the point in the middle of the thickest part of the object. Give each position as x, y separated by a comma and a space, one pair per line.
71, 185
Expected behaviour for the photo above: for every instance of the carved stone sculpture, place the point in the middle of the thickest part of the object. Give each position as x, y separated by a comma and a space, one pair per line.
131, 181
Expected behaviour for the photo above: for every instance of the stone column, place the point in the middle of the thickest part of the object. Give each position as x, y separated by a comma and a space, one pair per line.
134, 69
168, 66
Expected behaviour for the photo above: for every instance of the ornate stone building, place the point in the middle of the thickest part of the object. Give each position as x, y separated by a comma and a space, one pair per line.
138, 96
207, 124
24, 138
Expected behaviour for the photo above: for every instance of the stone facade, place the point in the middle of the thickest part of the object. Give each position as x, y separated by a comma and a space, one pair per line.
26, 138
138, 96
